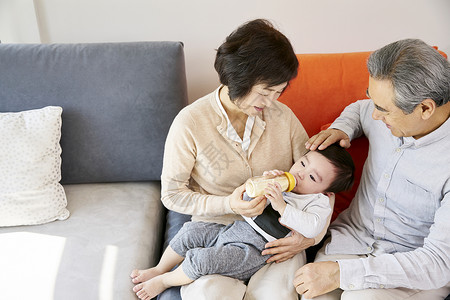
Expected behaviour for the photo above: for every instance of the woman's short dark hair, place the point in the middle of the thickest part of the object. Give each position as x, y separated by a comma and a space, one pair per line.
344, 166
255, 53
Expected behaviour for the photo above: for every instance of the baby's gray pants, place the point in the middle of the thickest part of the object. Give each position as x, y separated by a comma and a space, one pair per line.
230, 250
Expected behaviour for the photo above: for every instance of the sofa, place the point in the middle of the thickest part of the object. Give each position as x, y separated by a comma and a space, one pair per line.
118, 101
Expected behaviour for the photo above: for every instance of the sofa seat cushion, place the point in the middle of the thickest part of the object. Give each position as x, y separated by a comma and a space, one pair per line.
113, 228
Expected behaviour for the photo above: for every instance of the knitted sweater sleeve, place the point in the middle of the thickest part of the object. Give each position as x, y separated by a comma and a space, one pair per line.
179, 160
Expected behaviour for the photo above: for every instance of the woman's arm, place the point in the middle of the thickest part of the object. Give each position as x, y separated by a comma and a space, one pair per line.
180, 155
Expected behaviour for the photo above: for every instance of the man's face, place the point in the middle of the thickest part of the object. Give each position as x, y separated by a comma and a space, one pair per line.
401, 125
313, 172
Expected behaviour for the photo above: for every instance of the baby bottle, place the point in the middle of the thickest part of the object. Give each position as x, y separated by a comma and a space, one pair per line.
255, 186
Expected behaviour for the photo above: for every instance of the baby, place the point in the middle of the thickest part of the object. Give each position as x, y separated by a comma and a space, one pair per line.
234, 250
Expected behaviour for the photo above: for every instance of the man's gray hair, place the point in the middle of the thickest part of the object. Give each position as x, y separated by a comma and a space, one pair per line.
416, 70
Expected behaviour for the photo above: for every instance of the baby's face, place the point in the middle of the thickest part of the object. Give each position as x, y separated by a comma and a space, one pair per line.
314, 173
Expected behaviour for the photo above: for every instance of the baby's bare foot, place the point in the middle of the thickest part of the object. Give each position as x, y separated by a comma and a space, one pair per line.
139, 276
150, 289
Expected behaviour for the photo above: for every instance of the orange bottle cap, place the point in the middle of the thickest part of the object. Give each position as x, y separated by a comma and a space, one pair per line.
292, 181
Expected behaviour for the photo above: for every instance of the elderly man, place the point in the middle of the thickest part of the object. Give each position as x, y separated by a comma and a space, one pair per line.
393, 242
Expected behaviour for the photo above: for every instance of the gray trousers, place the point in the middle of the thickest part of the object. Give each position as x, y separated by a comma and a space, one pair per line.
230, 250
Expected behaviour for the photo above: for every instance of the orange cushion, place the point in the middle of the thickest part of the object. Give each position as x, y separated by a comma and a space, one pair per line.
326, 84
441, 52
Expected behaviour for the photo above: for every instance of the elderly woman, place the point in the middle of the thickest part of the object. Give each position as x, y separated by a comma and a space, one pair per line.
238, 131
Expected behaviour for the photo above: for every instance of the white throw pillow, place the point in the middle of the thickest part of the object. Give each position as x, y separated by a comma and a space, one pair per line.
30, 168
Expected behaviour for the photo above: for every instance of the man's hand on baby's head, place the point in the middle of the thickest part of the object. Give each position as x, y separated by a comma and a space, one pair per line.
326, 138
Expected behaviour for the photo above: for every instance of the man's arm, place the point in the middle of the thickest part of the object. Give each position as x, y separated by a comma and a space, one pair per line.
427, 267
344, 129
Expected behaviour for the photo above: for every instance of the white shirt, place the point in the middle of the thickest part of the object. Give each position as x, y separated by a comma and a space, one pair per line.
401, 208
231, 132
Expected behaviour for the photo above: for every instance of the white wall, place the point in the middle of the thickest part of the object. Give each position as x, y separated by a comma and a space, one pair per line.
18, 21
313, 26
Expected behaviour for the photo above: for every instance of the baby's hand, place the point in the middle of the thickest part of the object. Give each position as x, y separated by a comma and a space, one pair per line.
274, 194
273, 172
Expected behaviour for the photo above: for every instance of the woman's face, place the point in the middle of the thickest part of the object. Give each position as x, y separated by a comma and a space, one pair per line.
260, 97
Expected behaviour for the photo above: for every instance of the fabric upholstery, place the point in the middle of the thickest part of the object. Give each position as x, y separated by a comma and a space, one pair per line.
118, 102
113, 229
175, 221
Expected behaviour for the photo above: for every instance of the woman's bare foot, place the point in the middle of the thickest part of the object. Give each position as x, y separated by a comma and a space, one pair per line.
139, 276
151, 288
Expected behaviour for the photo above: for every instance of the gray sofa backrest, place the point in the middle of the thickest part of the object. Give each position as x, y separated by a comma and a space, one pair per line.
118, 102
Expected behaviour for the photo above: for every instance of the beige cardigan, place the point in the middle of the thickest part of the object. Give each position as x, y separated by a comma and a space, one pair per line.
202, 166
